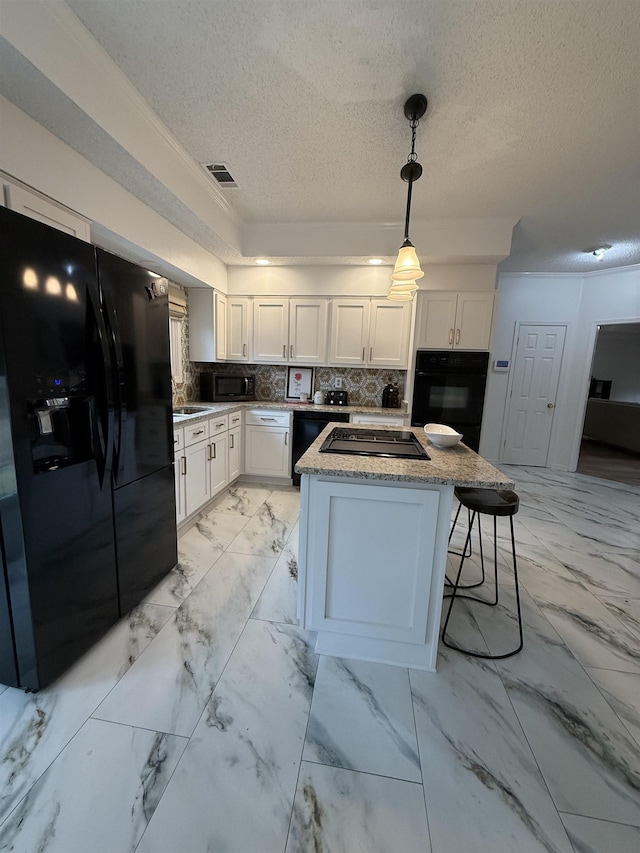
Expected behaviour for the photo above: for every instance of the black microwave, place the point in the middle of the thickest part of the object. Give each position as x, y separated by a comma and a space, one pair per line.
223, 388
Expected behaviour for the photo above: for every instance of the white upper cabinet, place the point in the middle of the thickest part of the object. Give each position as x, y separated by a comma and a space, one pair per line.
220, 311
39, 207
370, 332
271, 330
473, 320
389, 330
451, 320
238, 328
349, 335
308, 331
207, 325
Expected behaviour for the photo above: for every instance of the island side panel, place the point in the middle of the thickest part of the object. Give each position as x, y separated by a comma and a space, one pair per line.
373, 557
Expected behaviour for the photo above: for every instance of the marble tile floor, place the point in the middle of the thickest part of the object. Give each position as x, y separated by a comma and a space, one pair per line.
205, 722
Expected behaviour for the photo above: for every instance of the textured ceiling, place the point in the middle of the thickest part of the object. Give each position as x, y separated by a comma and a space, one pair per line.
534, 110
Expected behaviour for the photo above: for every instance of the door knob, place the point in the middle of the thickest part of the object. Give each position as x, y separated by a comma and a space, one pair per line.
550, 405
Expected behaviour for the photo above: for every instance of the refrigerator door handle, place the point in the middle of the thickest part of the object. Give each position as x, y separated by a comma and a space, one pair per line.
118, 382
102, 425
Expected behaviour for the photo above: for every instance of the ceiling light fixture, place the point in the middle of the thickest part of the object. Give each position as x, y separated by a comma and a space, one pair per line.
407, 268
600, 251
263, 262
375, 262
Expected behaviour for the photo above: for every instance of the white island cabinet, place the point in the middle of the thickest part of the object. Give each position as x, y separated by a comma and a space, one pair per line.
373, 548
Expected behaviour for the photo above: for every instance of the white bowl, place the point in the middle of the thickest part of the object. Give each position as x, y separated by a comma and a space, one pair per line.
442, 435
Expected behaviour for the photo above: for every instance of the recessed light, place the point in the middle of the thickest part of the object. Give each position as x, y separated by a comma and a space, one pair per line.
263, 262
600, 251
375, 262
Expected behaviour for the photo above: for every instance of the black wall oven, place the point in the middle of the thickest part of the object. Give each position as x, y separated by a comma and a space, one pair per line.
449, 389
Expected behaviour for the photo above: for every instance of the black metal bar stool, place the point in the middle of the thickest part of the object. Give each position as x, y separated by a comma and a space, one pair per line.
495, 503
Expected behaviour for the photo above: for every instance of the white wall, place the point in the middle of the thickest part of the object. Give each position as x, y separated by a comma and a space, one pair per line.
580, 302
617, 357
333, 280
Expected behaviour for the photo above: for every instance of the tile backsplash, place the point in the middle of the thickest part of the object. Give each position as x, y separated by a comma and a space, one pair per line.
364, 385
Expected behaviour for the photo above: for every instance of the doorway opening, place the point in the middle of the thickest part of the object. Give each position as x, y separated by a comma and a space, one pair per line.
610, 444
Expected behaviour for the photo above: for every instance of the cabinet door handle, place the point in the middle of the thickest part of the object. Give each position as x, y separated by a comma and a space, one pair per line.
212, 451
290, 350
244, 350
286, 439
231, 442
184, 466
370, 353
450, 336
363, 353
284, 350
457, 336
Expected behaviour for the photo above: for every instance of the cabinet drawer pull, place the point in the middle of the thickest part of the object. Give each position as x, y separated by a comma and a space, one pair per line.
217, 426
457, 336
176, 441
267, 419
184, 466
450, 336
197, 432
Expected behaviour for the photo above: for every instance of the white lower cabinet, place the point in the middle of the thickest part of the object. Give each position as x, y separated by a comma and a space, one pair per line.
197, 479
267, 443
378, 419
181, 495
235, 453
218, 462
208, 456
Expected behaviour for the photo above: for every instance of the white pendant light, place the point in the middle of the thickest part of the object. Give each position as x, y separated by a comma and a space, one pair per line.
407, 268
400, 295
404, 286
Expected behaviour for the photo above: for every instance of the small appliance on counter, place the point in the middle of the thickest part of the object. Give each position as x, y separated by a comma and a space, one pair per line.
391, 396
337, 398
226, 388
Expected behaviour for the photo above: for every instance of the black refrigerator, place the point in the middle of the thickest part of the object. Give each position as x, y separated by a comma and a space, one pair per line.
87, 507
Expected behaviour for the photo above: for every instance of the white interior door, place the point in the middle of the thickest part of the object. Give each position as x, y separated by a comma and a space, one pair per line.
532, 403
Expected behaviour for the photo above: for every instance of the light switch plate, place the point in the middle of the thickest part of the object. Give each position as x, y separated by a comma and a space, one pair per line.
337, 382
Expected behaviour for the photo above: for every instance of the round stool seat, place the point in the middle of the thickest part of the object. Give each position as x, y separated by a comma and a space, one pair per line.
489, 501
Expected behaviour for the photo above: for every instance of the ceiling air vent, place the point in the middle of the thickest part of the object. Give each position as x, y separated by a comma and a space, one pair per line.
221, 173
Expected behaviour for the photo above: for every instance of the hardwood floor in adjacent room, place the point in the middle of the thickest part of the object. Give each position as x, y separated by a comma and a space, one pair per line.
608, 463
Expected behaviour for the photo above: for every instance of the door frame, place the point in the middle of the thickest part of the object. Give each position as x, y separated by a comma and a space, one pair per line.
586, 378
514, 348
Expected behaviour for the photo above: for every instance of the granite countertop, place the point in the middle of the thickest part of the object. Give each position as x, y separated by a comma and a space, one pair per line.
456, 466
209, 409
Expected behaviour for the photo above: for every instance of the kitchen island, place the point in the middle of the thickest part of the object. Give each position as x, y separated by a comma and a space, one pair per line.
373, 547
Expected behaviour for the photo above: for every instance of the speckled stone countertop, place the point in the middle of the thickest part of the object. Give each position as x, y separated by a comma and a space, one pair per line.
451, 466
209, 409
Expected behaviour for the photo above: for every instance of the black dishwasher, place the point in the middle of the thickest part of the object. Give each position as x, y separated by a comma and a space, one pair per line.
307, 426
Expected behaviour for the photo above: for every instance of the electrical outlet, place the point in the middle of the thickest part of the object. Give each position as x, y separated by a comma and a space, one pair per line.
337, 382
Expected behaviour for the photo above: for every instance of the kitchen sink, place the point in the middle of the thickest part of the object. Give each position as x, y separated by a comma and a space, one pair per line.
188, 410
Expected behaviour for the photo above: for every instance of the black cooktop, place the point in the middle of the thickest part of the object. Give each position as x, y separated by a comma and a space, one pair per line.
393, 443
